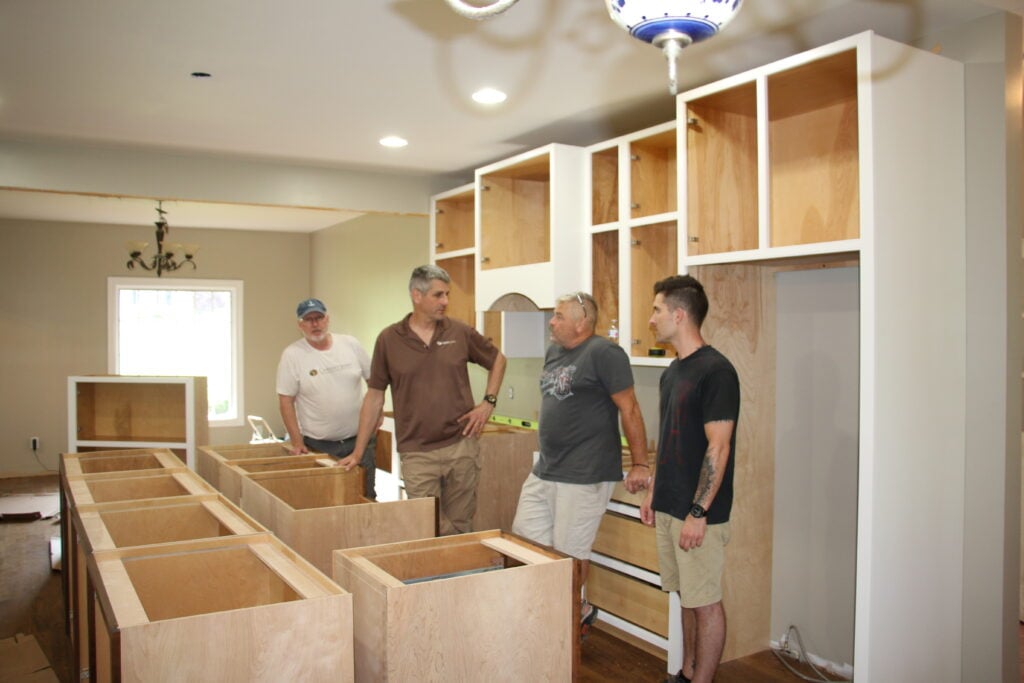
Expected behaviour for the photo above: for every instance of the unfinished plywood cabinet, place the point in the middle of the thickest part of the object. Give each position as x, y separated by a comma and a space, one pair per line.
111, 411
629, 254
529, 210
233, 471
242, 609
211, 459
480, 606
453, 220
317, 511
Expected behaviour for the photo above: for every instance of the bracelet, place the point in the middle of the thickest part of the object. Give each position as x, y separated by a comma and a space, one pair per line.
641, 464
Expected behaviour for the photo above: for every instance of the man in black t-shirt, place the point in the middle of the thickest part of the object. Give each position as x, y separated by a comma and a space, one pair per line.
691, 499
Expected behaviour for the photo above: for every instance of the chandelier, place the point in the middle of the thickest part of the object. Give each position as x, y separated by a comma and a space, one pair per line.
669, 25
168, 256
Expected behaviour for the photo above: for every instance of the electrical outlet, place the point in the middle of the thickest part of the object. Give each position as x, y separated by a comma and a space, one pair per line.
511, 392
33, 443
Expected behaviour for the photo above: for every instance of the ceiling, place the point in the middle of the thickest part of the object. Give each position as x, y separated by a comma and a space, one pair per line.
318, 82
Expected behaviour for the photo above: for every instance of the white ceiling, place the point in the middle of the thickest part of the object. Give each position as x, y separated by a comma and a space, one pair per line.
320, 81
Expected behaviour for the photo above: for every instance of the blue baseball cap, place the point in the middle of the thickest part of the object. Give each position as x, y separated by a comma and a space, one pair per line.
309, 306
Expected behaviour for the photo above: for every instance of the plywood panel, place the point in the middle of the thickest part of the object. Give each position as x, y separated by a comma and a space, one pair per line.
741, 324
462, 300
506, 458
653, 256
604, 180
722, 187
515, 221
454, 220
605, 278
210, 458
653, 175
231, 472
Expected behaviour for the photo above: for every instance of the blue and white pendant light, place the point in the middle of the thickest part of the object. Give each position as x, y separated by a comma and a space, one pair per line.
669, 25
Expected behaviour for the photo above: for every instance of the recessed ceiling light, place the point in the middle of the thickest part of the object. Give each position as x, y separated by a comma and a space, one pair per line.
200, 74
393, 141
489, 96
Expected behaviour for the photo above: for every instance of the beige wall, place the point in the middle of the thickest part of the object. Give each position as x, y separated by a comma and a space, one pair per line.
53, 318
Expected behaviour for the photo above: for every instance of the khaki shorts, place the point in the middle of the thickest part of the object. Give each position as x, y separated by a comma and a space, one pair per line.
564, 516
697, 573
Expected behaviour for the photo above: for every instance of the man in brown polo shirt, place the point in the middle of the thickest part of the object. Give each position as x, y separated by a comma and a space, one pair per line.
424, 359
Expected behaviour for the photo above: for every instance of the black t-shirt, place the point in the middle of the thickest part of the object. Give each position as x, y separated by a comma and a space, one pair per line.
701, 388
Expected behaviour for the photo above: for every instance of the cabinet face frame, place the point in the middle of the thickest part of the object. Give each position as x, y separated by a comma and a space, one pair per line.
646, 174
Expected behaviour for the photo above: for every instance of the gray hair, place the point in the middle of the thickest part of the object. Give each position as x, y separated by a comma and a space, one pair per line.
422, 276
584, 303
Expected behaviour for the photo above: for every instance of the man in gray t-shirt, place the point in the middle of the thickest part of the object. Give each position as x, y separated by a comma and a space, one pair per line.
586, 385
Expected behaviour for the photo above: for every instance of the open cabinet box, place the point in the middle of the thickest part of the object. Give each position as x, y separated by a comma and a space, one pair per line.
478, 606
231, 472
209, 459
242, 609
317, 511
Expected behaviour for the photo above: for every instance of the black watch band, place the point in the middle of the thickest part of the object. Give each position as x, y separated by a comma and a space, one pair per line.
492, 399
696, 511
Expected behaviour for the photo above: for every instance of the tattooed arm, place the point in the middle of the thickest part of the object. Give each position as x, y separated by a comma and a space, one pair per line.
716, 457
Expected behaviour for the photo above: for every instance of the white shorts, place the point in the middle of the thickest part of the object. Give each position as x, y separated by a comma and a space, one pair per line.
563, 516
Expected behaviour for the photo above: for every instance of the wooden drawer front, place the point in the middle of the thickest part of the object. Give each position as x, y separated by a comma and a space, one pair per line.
627, 539
631, 599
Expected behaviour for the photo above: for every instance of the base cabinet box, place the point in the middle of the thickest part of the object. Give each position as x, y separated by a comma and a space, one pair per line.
483, 606
231, 472
315, 512
247, 610
209, 459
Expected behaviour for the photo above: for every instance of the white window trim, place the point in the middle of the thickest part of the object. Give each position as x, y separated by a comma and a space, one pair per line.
115, 284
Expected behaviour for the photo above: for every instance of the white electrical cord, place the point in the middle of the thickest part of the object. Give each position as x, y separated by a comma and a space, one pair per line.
473, 12
802, 657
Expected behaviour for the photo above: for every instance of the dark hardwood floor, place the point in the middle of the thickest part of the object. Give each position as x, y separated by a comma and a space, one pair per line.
30, 602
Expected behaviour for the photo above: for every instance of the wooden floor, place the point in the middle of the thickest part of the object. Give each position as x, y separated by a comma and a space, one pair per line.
30, 602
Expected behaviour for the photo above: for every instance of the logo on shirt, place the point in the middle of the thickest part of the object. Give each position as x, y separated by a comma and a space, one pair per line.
312, 373
558, 382
445, 342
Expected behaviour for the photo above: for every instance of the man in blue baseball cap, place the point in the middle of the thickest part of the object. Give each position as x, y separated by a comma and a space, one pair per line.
320, 385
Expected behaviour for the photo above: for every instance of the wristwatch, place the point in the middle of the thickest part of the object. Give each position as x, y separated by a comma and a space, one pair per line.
696, 511
492, 399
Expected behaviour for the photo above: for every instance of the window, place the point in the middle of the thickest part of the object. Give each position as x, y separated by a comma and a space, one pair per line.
180, 328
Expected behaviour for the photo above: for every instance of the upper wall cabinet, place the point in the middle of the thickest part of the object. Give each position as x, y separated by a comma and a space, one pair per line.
772, 164
452, 247
634, 227
529, 209
452, 225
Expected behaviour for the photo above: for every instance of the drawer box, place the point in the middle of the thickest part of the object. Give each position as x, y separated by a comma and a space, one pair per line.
627, 539
247, 610
630, 598
474, 607
317, 511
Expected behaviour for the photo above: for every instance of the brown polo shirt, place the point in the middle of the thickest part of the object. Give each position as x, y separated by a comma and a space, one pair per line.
429, 382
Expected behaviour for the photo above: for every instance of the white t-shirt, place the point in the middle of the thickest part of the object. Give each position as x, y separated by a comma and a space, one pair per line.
327, 385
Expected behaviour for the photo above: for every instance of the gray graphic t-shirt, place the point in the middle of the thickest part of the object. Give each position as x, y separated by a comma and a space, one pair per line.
580, 442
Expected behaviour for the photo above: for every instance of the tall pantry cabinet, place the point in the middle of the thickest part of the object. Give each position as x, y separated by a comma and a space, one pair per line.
851, 156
